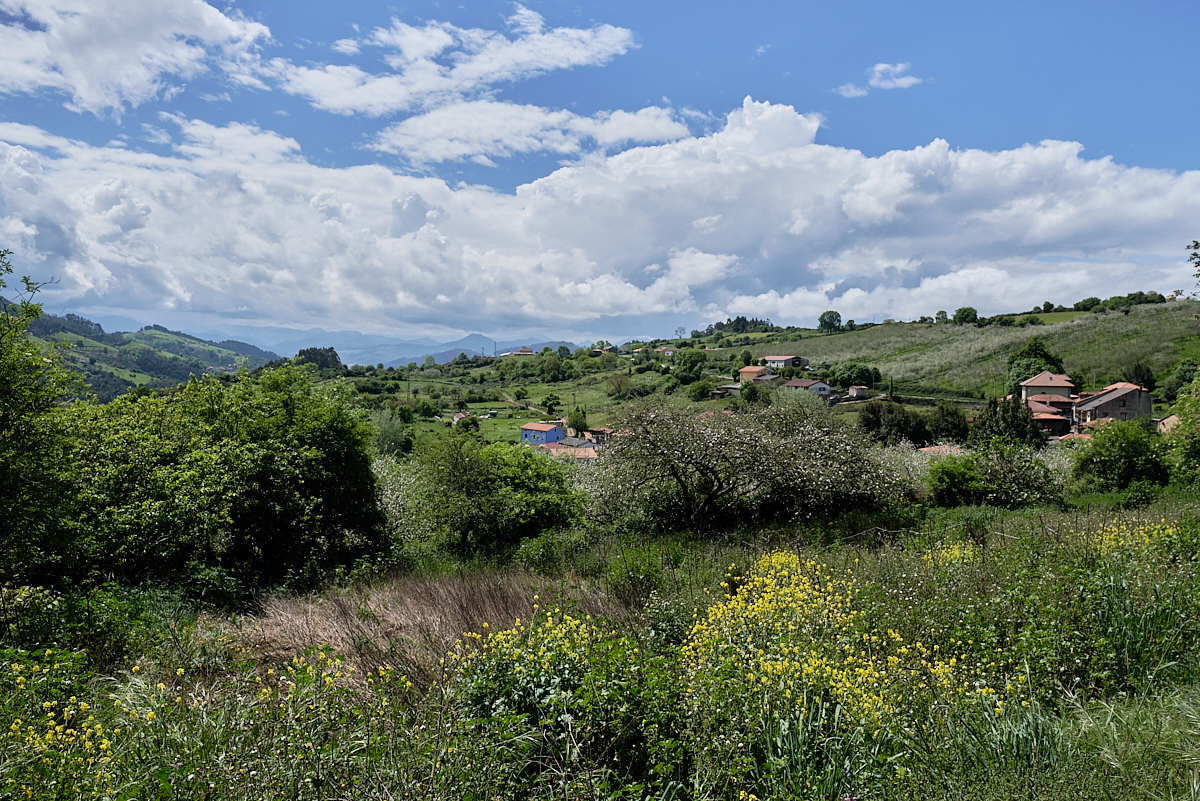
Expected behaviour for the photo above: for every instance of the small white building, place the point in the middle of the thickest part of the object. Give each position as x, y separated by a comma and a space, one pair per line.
780, 362
810, 384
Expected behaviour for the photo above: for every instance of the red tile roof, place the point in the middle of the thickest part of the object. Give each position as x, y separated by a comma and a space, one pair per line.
1048, 379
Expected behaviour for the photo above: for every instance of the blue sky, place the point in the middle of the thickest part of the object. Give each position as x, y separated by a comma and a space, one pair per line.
589, 170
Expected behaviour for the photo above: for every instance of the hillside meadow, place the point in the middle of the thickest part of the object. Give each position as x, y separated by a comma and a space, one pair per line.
967, 359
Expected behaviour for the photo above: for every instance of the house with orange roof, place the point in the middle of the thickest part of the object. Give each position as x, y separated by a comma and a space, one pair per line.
751, 372
542, 433
1119, 401
1047, 383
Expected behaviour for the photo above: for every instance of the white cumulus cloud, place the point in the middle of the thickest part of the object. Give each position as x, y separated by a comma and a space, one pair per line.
439, 63
891, 76
486, 128
235, 223
109, 54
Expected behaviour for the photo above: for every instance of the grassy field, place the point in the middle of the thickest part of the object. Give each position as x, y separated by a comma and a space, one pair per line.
983, 655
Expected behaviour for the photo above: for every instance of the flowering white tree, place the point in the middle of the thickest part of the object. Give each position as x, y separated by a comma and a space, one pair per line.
787, 458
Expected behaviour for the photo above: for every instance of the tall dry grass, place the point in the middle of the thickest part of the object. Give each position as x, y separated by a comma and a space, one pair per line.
411, 622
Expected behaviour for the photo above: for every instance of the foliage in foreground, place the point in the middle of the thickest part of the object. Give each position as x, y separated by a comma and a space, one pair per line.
932, 672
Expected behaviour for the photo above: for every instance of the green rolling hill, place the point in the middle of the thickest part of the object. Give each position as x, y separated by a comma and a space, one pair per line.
111, 364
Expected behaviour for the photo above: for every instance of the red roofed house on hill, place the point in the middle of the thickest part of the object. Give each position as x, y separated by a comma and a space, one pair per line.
751, 372
1119, 401
810, 384
1047, 383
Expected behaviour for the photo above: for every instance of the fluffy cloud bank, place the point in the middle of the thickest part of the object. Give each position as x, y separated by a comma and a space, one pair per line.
106, 54
754, 219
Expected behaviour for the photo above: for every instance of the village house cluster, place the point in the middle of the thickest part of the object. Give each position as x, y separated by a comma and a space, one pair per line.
1061, 412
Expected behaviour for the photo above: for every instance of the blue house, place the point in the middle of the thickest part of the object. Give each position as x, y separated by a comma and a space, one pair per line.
542, 433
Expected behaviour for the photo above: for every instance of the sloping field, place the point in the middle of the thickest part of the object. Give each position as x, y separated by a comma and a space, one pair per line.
968, 359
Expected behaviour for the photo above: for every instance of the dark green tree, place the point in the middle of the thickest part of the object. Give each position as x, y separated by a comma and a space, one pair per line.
551, 402
688, 364
891, 423
577, 420
699, 390
1010, 419
245, 484
965, 315
1140, 373
486, 497
948, 424
323, 358
830, 322
746, 358
1032, 358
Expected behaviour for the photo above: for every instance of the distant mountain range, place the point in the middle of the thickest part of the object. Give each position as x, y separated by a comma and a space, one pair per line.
152, 355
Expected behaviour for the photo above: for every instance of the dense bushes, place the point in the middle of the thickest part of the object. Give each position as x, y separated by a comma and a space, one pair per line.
232, 486
480, 497
998, 473
1122, 452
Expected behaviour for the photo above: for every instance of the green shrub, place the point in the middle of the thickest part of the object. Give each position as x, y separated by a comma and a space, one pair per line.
1121, 453
254, 479
952, 481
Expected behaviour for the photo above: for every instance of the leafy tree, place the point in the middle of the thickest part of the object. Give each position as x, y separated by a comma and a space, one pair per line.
699, 390
469, 425
1122, 452
35, 486
564, 352
1036, 350
830, 322
1179, 380
394, 433
322, 358
999, 472
618, 385
520, 393
1030, 360
577, 420
551, 402
746, 358
892, 423
551, 368
948, 424
485, 497
1087, 304
752, 393
941, 317
1007, 419
248, 483
1140, 373
688, 364
965, 315
426, 409
849, 374
429, 362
